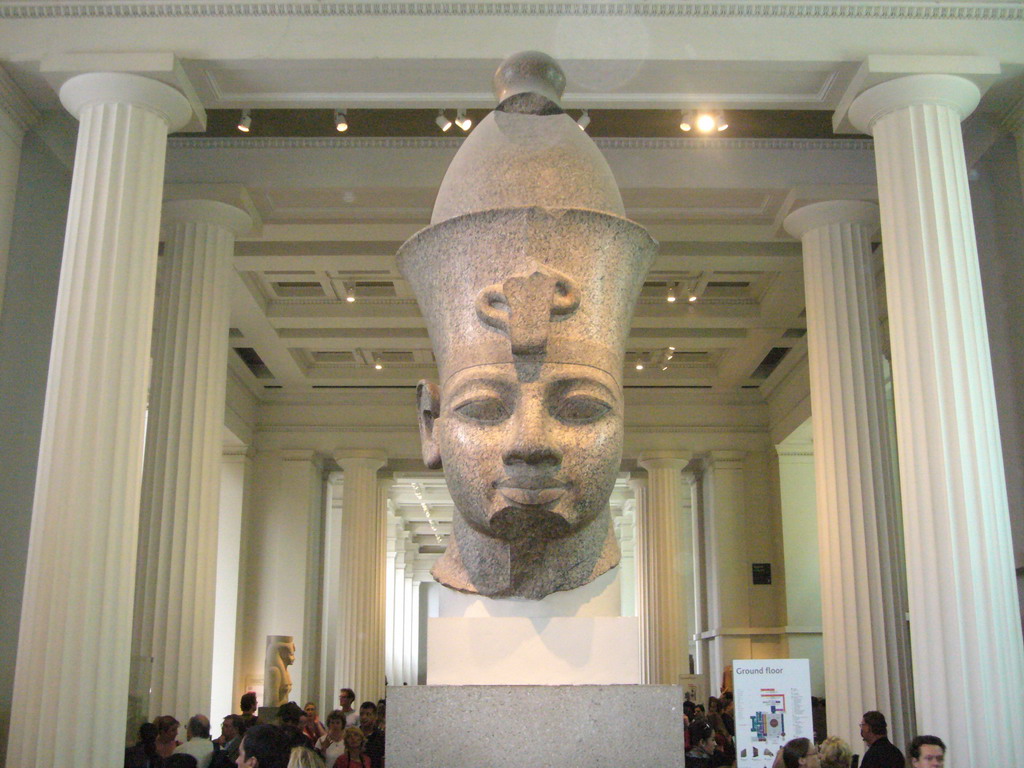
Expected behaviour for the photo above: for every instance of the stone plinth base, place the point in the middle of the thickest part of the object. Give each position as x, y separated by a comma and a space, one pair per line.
557, 650
543, 726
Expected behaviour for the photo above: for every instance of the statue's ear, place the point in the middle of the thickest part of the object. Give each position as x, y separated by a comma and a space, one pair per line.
428, 407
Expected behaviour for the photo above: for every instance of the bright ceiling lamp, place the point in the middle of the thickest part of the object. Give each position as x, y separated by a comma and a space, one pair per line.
245, 123
442, 122
350, 295
340, 120
670, 297
584, 120
704, 122
462, 121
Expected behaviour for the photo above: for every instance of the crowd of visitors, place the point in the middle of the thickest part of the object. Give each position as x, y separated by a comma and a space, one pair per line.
297, 739
711, 743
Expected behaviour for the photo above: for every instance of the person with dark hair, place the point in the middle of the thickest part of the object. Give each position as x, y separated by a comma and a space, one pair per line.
264, 746
374, 746
142, 754
346, 698
881, 753
729, 713
166, 735
927, 752
293, 720
231, 730
800, 753
248, 707
704, 752
332, 744
198, 742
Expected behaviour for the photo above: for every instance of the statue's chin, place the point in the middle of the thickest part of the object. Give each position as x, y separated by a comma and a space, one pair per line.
514, 523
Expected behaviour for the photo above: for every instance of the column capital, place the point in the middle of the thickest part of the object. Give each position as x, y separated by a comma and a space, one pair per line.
212, 212
823, 214
369, 459
957, 93
664, 459
91, 88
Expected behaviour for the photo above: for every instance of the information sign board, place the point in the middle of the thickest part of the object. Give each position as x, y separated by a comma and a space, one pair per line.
773, 706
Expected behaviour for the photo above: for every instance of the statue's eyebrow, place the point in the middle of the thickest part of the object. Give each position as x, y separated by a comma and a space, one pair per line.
498, 383
563, 384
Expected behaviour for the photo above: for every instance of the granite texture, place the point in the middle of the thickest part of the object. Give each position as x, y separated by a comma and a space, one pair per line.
527, 278
599, 726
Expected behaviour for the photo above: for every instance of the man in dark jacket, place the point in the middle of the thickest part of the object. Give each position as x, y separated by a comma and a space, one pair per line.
881, 752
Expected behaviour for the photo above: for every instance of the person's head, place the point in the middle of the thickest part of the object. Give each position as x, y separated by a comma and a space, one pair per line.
698, 710
264, 746
715, 721
367, 714
291, 714
166, 727
688, 708
304, 757
835, 753
702, 736
335, 724
800, 753
927, 752
873, 726
728, 704
310, 711
231, 727
198, 727
248, 702
346, 697
148, 733
714, 705
353, 738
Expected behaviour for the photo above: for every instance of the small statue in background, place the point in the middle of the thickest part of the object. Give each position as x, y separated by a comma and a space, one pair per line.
277, 680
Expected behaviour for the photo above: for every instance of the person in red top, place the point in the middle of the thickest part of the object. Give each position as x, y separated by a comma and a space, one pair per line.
353, 756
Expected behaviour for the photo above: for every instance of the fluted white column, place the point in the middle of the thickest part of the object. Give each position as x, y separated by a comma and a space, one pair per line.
698, 598
414, 651
360, 650
75, 634
17, 115
728, 564
401, 669
964, 616
390, 657
411, 614
644, 577
689, 574
663, 542
867, 655
175, 583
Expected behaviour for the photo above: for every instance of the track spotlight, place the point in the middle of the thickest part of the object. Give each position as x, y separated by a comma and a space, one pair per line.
377, 364
686, 122
245, 123
340, 120
693, 297
462, 121
584, 120
442, 122
670, 297
639, 366
706, 122
350, 295
722, 124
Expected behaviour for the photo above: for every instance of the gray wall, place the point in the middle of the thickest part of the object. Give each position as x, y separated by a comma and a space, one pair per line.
999, 222
26, 327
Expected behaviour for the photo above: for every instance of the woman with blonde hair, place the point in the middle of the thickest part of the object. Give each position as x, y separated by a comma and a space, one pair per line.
353, 756
835, 753
304, 757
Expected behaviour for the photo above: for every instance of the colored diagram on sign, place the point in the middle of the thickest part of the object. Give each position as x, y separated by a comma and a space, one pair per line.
768, 723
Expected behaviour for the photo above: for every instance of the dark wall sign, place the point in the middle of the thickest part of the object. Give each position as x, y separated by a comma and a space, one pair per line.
762, 573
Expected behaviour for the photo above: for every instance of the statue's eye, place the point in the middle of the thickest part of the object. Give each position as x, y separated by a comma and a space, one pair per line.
489, 410
580, 409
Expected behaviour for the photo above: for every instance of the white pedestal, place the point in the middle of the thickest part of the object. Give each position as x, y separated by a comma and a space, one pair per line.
568, 638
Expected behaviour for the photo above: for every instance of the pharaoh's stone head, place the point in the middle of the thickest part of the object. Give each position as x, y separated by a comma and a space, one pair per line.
527, 278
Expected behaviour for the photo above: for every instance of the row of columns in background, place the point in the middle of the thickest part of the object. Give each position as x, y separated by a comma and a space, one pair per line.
86, 521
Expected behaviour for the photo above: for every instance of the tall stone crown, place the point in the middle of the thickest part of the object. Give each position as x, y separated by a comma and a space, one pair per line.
528, 255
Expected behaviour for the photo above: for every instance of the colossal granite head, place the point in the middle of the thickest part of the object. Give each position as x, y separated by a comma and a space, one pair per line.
527, 279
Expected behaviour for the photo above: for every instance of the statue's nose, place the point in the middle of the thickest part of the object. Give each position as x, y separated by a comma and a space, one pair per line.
531, 440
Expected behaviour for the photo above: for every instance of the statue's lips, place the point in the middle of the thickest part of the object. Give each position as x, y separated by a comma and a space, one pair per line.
527, 493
